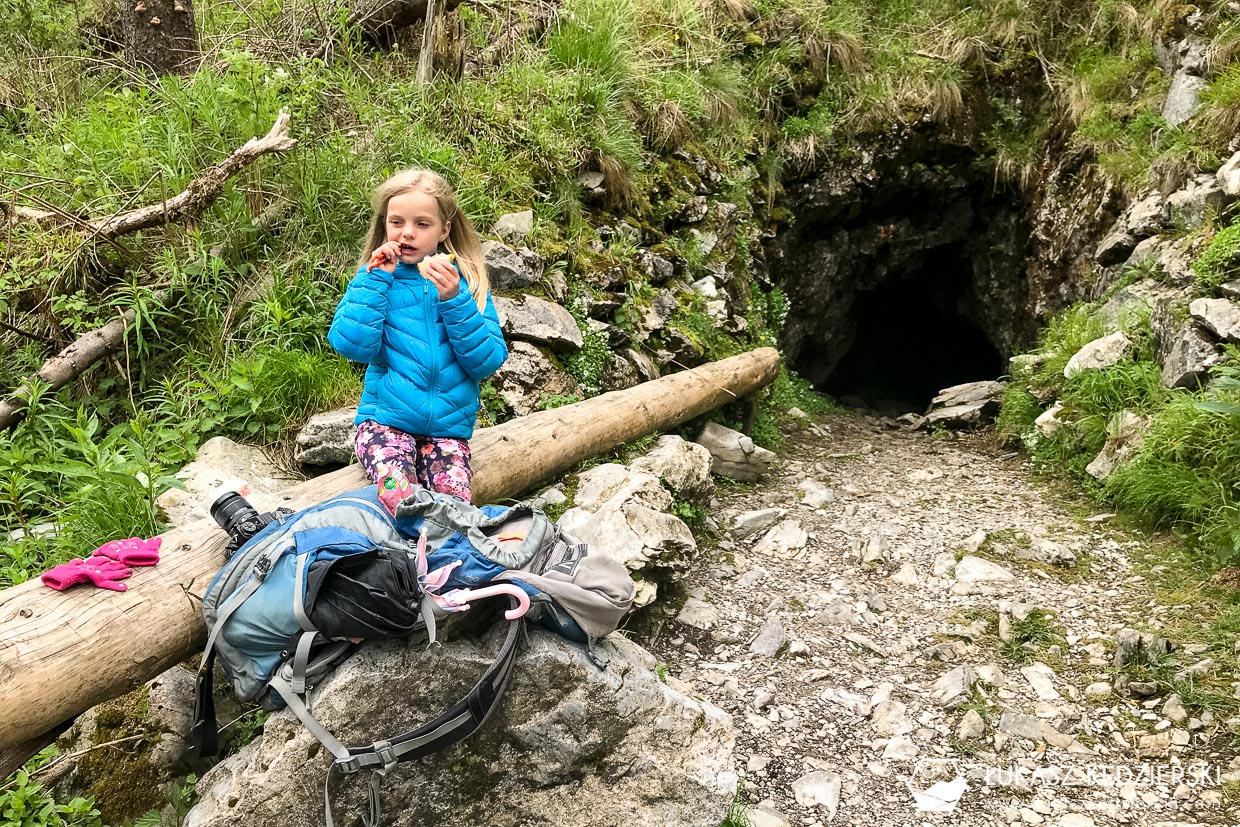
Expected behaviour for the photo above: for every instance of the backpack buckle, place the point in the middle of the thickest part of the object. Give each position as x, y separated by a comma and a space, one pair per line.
387, 754
349, 765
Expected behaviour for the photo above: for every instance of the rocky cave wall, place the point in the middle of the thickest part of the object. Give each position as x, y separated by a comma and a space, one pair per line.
915, 266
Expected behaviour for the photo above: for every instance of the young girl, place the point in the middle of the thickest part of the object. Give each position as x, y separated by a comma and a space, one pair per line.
428, 339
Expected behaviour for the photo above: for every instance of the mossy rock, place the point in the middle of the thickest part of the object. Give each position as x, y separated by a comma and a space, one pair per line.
121, 778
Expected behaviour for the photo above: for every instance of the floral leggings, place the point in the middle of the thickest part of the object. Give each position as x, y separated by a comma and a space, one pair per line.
438, 464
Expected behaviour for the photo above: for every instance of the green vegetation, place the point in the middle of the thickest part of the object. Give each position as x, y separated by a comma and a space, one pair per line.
231, 309
25, 803
1030, 638
1184, 476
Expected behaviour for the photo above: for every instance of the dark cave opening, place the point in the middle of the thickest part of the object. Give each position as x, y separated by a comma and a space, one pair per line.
912, 337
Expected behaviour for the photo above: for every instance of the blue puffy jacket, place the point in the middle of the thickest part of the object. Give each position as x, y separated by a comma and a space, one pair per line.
426, 356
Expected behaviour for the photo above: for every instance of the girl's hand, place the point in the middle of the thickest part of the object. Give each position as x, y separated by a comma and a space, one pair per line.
385, 257
441, 273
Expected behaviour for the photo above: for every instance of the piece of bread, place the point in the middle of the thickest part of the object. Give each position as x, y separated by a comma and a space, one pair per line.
444, 257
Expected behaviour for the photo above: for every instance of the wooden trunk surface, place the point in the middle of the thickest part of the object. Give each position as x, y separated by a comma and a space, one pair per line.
64, 652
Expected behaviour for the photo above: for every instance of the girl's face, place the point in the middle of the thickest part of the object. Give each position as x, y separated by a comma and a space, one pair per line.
413, 222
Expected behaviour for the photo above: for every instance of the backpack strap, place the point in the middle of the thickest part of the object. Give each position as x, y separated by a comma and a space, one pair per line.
458, 722
204, 735
204, 732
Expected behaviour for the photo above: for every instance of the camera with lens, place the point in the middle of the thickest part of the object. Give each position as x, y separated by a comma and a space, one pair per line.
233, 513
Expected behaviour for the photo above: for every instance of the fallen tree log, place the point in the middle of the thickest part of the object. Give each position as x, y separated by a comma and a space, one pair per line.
64, 652
67, 365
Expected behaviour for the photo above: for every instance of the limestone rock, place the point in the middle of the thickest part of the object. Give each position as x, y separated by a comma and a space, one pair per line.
782, 541
1228, 176
1147, 215
765, 814
1042, 678
1115, 246
656, 268
1048, 422
971, 726
222, 462
621, 513
1200, 197
618, 374
1125, 434
770, 639
952, 689
1186, 357
327, 438
570, 744
1100, 353
1129, 304
1220, 316
735, 454
1132, 646
1183, 98
819, 789
1035, 729
699, 614
514, 226
538, 321
969, 404
509, 268
592, 182
1043, 550
816, 494
684, 467
528, 377
975, 574
751, 522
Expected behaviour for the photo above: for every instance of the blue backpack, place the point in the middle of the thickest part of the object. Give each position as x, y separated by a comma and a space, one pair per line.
297, 597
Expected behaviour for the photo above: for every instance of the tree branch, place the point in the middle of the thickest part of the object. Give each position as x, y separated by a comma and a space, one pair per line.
97, 344
201, 192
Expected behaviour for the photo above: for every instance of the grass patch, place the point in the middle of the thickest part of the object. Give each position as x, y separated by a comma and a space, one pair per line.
1030, 638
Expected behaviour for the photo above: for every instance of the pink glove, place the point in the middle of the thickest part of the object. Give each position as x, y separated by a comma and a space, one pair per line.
132, 552
101, 571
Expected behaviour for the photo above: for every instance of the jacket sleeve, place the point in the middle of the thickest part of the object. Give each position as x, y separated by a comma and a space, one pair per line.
475, 335
357, 328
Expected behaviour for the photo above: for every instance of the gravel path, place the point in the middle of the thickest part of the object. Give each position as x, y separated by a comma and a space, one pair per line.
859, 646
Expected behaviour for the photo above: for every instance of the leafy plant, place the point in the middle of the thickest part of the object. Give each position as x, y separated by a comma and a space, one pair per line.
25, 803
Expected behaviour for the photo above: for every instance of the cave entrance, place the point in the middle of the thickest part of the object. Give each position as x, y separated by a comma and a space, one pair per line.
912, 336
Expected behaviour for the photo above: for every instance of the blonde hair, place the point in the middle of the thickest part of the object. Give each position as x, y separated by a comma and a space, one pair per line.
462, 240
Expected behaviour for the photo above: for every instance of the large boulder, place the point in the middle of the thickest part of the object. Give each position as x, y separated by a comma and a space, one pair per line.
622, 513
327, 438
684, 467
970, 404
570, 744
538, 321
222, 464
